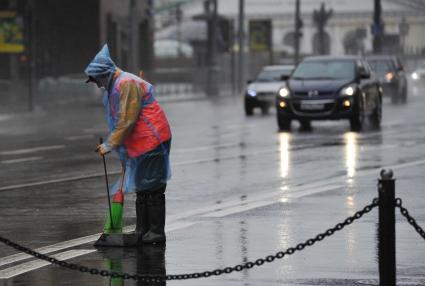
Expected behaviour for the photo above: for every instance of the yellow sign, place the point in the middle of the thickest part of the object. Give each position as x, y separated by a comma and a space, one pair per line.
11, 33
260, 35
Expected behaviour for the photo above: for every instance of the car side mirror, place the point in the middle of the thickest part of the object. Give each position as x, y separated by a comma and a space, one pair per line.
249, 81
284, 77
363, 74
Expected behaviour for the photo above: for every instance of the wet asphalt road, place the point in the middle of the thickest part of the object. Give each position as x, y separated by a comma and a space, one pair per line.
240, 190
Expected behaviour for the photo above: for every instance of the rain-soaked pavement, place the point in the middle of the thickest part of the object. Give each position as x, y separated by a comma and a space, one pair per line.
241, 190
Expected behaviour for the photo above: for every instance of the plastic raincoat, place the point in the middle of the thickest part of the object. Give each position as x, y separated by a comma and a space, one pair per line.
139, 130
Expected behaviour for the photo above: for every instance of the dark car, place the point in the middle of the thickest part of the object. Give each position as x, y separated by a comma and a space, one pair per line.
261, 91
326, 87
392, 76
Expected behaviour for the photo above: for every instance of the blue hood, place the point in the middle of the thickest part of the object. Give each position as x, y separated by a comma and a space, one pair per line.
102, 65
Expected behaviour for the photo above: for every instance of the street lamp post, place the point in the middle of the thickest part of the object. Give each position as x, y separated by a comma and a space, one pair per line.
212, 77
132, 36
241, 45
32, 39
377, 27
297, 34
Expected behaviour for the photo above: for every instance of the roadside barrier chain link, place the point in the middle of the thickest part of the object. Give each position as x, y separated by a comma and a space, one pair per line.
410, 219
217, 272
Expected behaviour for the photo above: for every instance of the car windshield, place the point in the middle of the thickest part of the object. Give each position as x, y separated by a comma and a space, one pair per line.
381, 67
335, 69
272, 75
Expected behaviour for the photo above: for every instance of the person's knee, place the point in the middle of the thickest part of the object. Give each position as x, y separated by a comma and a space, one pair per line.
160, 189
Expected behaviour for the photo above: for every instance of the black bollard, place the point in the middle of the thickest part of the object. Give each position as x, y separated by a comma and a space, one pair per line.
386, 232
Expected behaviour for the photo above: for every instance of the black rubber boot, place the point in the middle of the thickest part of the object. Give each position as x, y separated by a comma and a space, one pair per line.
134, 238
156, 216
142, 219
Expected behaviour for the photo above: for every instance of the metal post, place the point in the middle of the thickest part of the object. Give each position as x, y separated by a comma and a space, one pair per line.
132, 37
179, 29
378, 29
297, 32
241, 45
386, 231
212, 79
32, 55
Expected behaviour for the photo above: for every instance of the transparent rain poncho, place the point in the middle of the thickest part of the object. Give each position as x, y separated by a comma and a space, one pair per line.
139, 130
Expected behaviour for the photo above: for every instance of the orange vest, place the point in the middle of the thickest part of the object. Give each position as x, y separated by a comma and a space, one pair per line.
152, 127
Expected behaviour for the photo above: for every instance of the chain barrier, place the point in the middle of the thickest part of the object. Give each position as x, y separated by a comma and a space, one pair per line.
216, 272
410, 219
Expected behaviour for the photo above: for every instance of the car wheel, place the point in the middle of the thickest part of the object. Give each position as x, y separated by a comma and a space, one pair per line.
376, 116
404, 95
356, 121
249, 110
283, 123
394, 96
265, 110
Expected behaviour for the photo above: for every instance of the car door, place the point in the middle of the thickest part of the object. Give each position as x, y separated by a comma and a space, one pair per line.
368, 86
401, 74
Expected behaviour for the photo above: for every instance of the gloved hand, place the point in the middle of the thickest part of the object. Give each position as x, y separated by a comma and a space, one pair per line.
103, 148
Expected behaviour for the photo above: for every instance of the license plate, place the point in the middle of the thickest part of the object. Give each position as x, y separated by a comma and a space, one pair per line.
312, 106
266, 95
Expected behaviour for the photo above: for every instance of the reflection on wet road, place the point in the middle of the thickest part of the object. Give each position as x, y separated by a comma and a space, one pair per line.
240, 190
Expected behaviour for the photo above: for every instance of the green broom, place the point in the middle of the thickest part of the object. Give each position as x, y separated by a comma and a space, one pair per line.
113, 221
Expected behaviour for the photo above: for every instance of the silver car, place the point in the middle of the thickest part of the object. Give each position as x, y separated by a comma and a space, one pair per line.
261, 92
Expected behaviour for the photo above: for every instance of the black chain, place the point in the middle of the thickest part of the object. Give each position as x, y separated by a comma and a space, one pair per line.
216, 272
411, 220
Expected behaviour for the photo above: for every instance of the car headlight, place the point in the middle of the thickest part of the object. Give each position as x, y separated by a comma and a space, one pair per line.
415, 76
284, 92
251, 92
348, 90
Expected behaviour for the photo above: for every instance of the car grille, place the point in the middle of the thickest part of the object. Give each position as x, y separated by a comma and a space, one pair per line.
305, 95
266, 94
328, 108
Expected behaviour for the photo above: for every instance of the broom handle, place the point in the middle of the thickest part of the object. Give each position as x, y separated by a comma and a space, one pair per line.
107, 185
122, 179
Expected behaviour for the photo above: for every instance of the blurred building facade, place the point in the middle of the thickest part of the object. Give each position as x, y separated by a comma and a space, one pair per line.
347, 31
59, 38
269, 29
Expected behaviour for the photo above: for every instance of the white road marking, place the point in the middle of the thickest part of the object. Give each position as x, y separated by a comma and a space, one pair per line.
199, 161
21, 160
51, 248
218, 210
96, 130
213, 210
173, 220
79, 137
115, 172
203, 148
36, 264
271, 199
45, 182
32, 150
5, 117
25, 267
